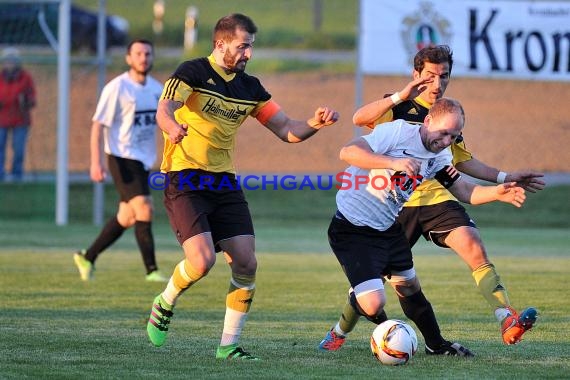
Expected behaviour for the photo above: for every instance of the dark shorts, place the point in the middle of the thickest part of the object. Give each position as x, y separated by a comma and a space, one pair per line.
434, 222
129, 176
365, 253
193, 209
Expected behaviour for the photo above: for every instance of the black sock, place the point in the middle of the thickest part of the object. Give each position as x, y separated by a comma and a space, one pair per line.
108, 235
145, 240
418, 309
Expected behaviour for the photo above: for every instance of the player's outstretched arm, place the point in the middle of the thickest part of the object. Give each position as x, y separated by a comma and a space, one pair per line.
367, 115
469, 192
529, 180
294, 131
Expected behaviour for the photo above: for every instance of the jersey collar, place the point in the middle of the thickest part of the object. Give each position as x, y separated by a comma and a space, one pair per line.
219, 70
422, 102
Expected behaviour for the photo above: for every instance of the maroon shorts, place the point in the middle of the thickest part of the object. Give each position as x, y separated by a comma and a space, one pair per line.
194, 209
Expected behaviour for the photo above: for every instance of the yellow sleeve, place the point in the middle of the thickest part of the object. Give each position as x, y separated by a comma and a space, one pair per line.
175, 89
460, 152
385, 118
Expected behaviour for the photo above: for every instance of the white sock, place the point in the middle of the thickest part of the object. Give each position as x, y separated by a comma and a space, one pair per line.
171, 293
338, 330
233, 324
501, 313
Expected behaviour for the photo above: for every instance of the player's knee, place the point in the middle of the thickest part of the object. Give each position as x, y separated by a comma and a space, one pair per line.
378, 318
143, 209
239, 253
202, 265
372, 311
200, 257
245, 264
126, 218
369, 307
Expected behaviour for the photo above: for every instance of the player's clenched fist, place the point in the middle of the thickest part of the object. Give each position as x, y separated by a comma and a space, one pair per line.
177, 133
410, 166
324, 116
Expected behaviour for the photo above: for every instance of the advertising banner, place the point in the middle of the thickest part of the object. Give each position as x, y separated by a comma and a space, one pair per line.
527, 40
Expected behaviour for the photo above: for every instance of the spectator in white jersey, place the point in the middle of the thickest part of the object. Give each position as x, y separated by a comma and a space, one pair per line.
366, 239
124, 128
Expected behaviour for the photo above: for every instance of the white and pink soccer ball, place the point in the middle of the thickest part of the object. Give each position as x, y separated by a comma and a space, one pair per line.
393, 342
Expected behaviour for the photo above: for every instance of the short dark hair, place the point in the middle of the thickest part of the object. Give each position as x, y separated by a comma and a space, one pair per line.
433, 54
139, 41
226, 27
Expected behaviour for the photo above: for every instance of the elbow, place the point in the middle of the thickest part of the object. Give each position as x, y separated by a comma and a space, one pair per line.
290, 138
161, 124
344, 154
358, 120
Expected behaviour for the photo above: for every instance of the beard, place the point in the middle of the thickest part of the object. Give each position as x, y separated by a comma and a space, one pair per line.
232, 64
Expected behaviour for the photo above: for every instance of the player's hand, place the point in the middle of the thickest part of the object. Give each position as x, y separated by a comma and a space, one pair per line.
177, 133
511, 193
528, 180
414, 88
410, 166
324, 116
97, 172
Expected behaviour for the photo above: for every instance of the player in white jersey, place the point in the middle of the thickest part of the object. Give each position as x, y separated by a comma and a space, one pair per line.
124, 128
434, 213
386, 167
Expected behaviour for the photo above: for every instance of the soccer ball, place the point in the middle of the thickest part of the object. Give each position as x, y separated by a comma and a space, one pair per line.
393, 342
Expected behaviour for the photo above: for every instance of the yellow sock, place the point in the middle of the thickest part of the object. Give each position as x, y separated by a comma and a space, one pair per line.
183, 277
238, 303
490, 286
240, 293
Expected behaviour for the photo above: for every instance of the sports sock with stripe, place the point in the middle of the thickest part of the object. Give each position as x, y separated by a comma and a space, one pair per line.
490, 285
238, 303
183, 277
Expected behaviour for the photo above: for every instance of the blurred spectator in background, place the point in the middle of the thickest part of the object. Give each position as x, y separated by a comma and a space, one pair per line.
17, 98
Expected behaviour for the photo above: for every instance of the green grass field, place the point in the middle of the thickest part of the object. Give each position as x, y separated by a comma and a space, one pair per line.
55, 326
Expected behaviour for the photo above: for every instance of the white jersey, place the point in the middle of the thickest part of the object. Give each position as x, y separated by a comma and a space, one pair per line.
127, 109
377, 202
